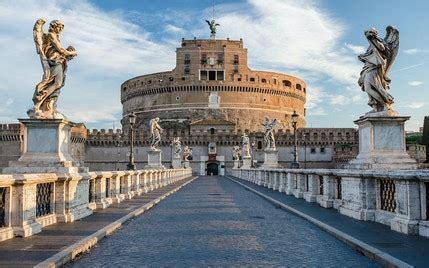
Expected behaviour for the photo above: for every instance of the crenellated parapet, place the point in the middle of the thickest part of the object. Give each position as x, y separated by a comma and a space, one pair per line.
10, 132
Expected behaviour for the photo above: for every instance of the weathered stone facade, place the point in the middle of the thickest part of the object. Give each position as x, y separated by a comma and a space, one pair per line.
212, 81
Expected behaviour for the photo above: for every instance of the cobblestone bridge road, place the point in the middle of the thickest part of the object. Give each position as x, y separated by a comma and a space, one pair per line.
215, 222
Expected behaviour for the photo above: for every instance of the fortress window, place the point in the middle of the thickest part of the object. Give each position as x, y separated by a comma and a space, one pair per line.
212, 131
203, 75
187, 59
125, 88
212, 75
220, 75
220, 58
239, 79
287, 83
298, 86
149, 81
322, 150
275, 81
259, 145
236, 59
203, 58
252, 79
177, 98
171, 78
264, 80
187, 70
305, 90
313, 150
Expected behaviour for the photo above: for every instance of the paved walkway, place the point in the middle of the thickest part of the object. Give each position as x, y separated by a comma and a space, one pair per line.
413, 250
215, 222
30, 251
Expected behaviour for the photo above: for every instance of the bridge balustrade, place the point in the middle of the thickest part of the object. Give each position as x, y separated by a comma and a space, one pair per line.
399, 198
29, 202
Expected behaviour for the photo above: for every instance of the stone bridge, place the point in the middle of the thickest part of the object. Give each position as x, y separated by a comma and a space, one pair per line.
273, 217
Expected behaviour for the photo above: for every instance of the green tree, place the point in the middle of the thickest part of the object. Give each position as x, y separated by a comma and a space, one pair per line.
425, 138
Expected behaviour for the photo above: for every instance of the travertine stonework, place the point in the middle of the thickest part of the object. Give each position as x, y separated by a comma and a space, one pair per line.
231, 91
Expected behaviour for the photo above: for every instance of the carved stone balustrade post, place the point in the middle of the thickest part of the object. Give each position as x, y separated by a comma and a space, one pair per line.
408, 207
329, 191
312, 192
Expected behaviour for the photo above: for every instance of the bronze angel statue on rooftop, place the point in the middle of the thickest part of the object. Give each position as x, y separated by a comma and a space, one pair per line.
212, 24
378, 60
54, 63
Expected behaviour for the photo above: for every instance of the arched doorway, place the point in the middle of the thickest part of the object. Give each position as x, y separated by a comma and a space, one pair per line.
212, 169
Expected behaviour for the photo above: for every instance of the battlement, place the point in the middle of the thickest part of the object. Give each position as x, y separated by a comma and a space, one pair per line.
307, 136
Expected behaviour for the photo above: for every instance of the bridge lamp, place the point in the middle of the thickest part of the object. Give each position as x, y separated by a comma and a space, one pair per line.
132, 121
295, 116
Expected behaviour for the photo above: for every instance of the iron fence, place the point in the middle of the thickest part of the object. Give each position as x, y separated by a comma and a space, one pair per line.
387, 195
43, 199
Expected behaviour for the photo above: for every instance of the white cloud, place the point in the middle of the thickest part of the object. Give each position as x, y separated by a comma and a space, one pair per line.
277, 35
414, 51
110, 50
415, 83
173, 29
338, 100
355, 49
315, 98
411, 104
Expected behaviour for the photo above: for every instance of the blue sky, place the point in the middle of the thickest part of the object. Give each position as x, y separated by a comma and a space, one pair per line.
116, 40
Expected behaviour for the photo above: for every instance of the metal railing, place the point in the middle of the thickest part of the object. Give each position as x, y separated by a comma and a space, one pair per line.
387, 195
44, 199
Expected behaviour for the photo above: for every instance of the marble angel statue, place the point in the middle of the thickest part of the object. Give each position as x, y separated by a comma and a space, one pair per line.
177, 145
236, 153
378, 60
54, 60
155, 133
245, 141
269, 126
187, 153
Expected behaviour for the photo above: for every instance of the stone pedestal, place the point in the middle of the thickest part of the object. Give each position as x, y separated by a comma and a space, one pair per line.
247, 162
236, 164
46, 148
177, 162
186, 164
382, 144
270, 159
154, 160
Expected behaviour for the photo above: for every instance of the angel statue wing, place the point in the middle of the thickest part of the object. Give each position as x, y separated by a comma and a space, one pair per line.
392, 40
40, 42
273, 123
209, 23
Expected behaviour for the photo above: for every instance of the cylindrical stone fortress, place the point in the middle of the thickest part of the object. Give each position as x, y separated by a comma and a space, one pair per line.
212, 81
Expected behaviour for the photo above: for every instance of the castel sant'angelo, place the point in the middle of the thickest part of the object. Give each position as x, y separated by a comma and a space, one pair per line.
213, 83
209, 100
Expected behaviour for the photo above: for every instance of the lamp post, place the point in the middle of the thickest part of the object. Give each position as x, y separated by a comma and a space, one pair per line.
171, 154
294, 116
118, 152
252, 159
132, 121
304, 136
